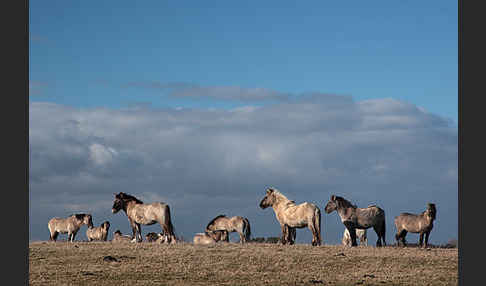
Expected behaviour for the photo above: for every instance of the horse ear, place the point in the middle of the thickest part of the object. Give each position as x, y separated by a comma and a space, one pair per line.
269, 191
333, 197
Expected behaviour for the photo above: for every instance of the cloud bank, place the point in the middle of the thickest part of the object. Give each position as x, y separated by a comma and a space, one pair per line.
209, 162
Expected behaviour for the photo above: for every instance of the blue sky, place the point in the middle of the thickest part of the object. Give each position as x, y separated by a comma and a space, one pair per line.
204, 104
86, 52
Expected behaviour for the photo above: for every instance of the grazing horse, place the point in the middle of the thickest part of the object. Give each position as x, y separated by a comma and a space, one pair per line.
422, 223
211, 237
291, 216
360, 233
358, 218
98, 233
237, 224
119, 237
70, 225
139, 213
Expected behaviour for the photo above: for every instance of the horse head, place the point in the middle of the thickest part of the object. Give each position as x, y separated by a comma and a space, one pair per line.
331, 205
118, 203
269, 199
106, 225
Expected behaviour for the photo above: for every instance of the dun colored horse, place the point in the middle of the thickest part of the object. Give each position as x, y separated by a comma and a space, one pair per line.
358, 218
139, 213
119, 237
291, 216
211, 237
98, 233
422, 223
70, 225
360, 233
237, 224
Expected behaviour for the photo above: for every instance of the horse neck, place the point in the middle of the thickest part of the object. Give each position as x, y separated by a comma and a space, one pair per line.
344, 212
128, 205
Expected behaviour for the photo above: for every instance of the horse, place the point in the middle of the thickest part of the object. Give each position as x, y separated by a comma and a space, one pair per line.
98, 233
156, 237
119, 237
291, 216
70, 225
360, 233
237, 224
421, 223
358, 218
152, 236
139, 213
211, 237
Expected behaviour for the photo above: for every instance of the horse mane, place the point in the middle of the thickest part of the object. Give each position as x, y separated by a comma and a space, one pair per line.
214, 219
344, 203
280, 195
127, 197
79, 216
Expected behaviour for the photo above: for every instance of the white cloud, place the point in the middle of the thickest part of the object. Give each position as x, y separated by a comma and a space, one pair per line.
204, 162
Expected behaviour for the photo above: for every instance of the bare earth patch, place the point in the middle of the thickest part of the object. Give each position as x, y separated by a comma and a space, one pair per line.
106, 263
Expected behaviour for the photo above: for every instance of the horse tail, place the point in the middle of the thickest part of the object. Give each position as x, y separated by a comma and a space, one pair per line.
247, 229
169, 227
316, 220
383, 228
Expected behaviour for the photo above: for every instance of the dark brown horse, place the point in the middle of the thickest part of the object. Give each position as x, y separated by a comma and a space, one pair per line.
139, 213
291, 216
358, 218
421, 223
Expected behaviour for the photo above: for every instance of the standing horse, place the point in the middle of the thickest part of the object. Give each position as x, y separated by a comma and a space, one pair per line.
358, 218
69, 225
291, 216
139, 213
237, 224
422, 223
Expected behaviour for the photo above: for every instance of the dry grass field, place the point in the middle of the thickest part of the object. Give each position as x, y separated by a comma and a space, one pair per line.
83, 263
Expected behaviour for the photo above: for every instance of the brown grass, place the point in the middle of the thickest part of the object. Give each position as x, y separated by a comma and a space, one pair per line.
82, 263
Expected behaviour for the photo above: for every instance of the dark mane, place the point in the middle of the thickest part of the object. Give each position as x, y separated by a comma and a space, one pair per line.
128, 198
214, 219
79, 216
344, 203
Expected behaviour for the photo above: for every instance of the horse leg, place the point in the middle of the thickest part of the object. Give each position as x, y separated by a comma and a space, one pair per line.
242, 237
284, 233
421, 239
427, 238
378, 242
139, 231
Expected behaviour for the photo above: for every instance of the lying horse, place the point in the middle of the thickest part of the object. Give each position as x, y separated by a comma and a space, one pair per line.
237, 224
139, 213
152, 236
358, 218
360, 233
422, 223
291, 216
119, 237
70, 225
98, 233
211, 237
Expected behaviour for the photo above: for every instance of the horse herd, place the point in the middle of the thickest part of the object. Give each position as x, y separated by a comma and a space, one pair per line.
289, 215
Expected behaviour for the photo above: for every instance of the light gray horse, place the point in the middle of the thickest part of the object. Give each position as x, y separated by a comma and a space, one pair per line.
139, 213
70, 225
237, 224
98, 233
421, 223
358, 218
360, 233
291, 215
211, 237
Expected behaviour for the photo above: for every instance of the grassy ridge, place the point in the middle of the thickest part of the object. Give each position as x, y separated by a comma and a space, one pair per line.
82, 263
